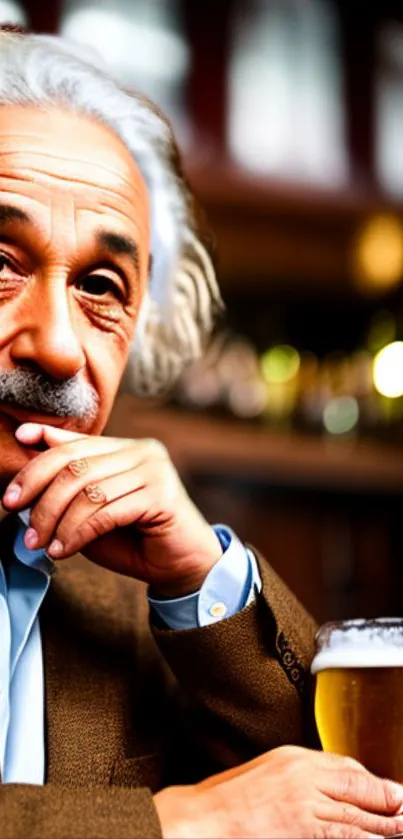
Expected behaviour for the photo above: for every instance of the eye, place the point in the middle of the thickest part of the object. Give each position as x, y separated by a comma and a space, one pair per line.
98, 285
5, 263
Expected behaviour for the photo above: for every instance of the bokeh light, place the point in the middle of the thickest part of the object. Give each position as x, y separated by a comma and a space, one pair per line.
341, 415
388, 370
280, 364
378, 254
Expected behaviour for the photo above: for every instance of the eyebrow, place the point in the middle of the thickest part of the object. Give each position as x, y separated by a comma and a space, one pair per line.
9, 213
119, 245
115, 243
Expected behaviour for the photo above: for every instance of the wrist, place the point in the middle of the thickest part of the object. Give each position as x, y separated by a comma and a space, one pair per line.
184, 812
197, 568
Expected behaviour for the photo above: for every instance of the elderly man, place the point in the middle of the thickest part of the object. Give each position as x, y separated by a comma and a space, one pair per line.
110, 728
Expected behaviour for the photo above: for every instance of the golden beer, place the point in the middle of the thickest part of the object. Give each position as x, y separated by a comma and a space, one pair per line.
359, 692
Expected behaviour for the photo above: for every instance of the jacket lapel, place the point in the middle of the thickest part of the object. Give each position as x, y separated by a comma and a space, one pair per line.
83, 688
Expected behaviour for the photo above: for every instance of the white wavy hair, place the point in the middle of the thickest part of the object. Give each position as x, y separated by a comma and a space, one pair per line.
182, 298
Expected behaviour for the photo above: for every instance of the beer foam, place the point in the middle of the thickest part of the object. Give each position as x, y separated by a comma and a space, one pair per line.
377, 644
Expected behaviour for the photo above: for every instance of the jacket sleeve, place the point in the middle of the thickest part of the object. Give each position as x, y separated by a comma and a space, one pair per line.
247, 678
51, 812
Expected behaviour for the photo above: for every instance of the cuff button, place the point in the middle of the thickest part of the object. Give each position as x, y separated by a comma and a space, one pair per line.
218, 610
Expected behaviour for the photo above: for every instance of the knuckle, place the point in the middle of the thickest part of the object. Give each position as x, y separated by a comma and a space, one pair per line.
350, 762
88, 531
293, 764
376, 789
385, 826
327, 830
64, 476
337, 830
396, 825
39, 517
100, 523
350, 815
155, 448
393, 796
349, 784
289, 751
169, 492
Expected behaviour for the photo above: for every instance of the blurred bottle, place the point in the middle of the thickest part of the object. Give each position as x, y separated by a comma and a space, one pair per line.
309, 406
280, 366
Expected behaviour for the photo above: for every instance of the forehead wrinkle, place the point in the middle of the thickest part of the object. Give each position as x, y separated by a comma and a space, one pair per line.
86, 199
82, 188
70, 160
86, 203
104, 211
89, 199
69, 180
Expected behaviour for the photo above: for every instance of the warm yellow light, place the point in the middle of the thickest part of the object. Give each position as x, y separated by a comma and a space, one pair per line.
378, 256
388, 370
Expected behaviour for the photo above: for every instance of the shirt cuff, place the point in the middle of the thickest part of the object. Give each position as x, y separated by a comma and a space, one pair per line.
229, 587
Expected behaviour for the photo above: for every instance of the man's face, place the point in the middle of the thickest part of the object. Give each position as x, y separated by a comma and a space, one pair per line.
74, 252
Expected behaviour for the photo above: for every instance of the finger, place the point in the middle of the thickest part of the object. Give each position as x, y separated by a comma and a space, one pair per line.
36, 475
32, 433
71, 482
331, 760
93, 498
320, 760
355, 817
338, 830
362, 788
119, 513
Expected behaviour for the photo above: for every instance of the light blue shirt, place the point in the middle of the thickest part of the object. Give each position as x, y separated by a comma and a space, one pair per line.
22, 753
229, 587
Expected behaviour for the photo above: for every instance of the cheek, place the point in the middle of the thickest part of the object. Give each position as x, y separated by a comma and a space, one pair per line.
106, 361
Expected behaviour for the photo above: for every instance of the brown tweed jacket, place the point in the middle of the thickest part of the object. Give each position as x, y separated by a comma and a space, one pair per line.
130, 710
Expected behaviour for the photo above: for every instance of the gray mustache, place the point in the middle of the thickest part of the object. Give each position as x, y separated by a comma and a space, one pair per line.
28, 390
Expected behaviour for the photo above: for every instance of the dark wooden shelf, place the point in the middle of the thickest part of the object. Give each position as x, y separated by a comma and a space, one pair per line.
220, 182
201, 443
276, 236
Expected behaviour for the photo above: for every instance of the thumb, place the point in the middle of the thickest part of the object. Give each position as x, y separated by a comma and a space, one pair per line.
32, 433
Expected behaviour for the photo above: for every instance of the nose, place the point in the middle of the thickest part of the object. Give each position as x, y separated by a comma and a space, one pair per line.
47, 337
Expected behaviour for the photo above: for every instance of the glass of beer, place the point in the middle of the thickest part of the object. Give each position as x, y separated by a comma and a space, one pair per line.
359, 692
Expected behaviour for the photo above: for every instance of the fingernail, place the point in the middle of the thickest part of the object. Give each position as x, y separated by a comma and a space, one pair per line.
55, 548
398, 795
12, 494
31, 538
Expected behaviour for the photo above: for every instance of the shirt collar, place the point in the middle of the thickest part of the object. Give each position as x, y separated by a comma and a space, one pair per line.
37, 560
